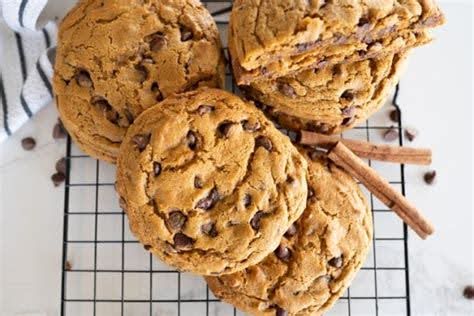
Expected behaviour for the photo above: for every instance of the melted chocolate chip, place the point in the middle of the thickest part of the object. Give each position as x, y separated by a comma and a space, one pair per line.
336, 262
197, 182
280, 312
183, 242
128, 115
101, 103
348, 111
363, 21
192, 140
209, 201
205, 109
265, 142
347, 95
283, 253
157, 42
28, 143
250, 127
83, 79
209, 229
391, 134
176, 220
112, 116
155, 88
142, 73
291, 231
141, 140
286, 89
186, 33
224, 128
156, 168
255, 221
247, 200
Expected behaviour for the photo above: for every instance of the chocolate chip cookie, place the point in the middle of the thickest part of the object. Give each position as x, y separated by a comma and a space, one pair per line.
208, 183
274, 38
318, 256
117, 58
331, 99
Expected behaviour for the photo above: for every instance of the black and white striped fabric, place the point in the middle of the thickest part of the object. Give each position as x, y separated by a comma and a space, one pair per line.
26, 56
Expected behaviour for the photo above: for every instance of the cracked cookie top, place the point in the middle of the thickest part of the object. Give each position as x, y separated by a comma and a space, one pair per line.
331, 99
273, 38
318, 256
208, 183
117, 58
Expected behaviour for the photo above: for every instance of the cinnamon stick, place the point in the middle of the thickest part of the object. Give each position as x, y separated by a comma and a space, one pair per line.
363, 149
347, 160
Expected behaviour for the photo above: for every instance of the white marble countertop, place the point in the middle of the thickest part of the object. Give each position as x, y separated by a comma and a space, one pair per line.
435, 98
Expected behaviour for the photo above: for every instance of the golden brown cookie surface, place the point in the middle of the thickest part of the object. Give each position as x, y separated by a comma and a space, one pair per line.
331, 99
317, 258
208, 183
117, 58
274, 38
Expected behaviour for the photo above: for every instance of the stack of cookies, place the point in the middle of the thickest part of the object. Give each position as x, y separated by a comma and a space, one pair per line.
209, 184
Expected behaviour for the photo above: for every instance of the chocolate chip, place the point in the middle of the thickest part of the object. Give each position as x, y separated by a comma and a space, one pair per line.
59, 131
192, 140
247, 200
348, 121
58, 178
336, 262
155, 88
182, 242
176, 220
68, 265
61, 165
310, 193
158, 41
156, 168
283, 253
197, 182
209, 229
348, 95
204, 109
280, 312
142, 73
286, 89
349, 111
112, 116
28, 143
468, 292
291, 231
410, 133
264, 142
391, 134
128, 115
186, 34
255, 221
224, 128
363, 21
141, 140
394, 115
251, 127
101, 103
209, 201
147, 247
429, 177
83, 79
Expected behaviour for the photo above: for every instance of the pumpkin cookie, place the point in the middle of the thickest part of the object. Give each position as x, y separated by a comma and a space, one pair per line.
317, 258
208, 183
117, 58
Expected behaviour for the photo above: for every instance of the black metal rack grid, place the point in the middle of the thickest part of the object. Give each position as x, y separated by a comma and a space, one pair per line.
113, 275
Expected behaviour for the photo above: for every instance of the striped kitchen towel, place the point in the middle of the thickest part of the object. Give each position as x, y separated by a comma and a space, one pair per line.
27, 43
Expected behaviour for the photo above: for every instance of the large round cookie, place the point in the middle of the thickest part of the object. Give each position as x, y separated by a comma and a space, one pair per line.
317, 258
117, 58
331, 99
209, 184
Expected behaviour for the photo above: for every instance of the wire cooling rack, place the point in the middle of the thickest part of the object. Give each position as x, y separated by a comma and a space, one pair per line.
107, 272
